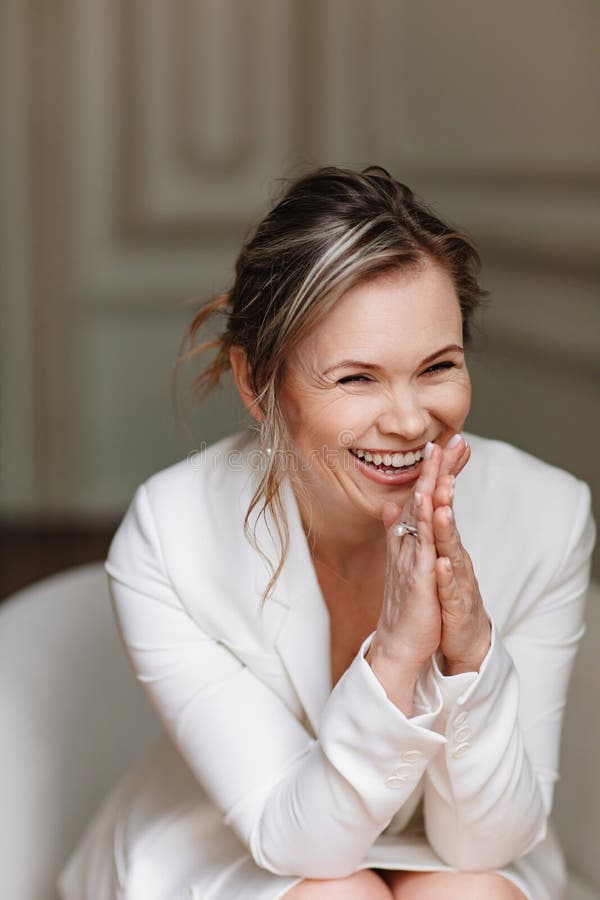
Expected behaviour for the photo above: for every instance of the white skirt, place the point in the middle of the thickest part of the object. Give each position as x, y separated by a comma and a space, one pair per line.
158, 837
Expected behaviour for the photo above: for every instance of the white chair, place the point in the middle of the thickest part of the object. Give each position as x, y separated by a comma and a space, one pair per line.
576, 809
74, 718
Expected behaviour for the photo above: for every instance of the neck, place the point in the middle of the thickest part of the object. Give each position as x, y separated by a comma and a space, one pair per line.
342, 542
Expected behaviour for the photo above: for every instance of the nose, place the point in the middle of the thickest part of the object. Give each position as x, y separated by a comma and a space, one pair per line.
404, 415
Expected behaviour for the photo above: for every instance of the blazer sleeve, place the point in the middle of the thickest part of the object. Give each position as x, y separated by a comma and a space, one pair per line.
302, 806
488, 795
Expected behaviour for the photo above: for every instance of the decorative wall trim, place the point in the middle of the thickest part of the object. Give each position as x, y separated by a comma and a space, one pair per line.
123, 207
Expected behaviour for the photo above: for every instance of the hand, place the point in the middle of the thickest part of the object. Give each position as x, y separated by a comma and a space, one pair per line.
466, 629
409, 626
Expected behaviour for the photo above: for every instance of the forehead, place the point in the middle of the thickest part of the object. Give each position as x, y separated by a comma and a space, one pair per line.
400, 309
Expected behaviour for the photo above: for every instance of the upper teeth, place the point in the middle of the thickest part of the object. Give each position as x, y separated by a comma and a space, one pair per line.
390, 459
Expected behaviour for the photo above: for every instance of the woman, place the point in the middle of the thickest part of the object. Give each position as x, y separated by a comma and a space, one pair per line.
361, 657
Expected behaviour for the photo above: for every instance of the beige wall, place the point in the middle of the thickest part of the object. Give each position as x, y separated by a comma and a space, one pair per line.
141, 139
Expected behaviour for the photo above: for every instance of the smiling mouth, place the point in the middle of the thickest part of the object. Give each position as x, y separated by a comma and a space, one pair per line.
389, 462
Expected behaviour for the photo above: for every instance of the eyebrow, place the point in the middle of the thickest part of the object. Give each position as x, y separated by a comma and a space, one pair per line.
360, 364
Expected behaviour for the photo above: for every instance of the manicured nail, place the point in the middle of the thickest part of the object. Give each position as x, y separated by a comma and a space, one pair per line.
418, 498
452, 486
428, 449
449, 514
447, 564
454, 441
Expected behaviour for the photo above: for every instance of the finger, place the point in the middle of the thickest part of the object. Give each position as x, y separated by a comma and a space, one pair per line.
447, 539
392, 514
426, 481
451, 454
462, 460
444, 491
430, 469
447, 586
425, 541
400, 547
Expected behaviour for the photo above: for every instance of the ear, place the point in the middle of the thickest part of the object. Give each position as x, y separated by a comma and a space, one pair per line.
241, 376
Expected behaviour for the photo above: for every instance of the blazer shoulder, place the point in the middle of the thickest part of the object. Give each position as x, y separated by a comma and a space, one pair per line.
500, 469
540, 512
199, 501
217, 466
184, 533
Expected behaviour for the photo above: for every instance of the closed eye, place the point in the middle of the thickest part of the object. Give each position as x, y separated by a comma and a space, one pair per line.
431, 370
437, 367
352, 379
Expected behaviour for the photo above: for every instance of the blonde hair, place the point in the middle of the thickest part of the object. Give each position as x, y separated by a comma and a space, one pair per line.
331, 229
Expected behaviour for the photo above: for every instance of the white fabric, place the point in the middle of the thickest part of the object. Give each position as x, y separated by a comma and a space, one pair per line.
72, 720
301, 781
577, 802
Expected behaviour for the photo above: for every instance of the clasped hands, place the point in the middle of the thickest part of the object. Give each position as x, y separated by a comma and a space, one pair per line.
431, 599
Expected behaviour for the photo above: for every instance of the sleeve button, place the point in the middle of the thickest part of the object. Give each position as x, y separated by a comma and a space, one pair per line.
461, 750
411, 755
397, 780
462, 734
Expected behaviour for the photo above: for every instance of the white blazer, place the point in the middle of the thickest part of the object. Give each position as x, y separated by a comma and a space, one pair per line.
290, 779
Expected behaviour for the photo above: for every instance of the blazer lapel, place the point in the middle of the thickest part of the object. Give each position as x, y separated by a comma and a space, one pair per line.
303, 640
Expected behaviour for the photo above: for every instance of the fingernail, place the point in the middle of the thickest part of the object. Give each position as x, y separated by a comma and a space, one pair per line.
454, 441
418, 498
449, 514
447, 564
428, 449
452, 486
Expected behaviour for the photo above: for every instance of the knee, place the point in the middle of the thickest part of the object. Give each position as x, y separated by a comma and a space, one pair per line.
497, 887
363, 885
453, 886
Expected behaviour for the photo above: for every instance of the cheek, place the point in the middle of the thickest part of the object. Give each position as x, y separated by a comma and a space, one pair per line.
312, 424
454, 400
346, 418
300, 412
330, 429
462, 400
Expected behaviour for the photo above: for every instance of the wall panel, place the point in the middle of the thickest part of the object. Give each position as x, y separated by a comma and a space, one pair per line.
144, 138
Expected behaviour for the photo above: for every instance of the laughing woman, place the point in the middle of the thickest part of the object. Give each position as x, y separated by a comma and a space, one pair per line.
355, 621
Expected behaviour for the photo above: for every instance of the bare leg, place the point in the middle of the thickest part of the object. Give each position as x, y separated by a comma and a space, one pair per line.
451, 886
363, 885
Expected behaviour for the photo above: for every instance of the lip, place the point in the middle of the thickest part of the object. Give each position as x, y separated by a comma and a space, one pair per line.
392, 480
